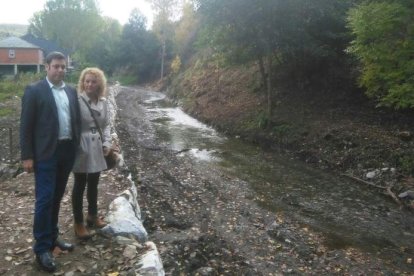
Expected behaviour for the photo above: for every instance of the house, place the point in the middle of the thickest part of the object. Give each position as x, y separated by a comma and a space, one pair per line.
26, 54
48, 46
18, 55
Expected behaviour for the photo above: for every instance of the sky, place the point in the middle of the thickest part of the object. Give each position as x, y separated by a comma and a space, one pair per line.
20, 11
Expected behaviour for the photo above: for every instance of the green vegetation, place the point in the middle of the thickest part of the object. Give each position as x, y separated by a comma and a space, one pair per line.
406, 164
384, 44
4, 112
12, 88
295, 43
318, 47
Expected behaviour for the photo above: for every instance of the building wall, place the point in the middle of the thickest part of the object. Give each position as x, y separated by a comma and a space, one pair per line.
21, 56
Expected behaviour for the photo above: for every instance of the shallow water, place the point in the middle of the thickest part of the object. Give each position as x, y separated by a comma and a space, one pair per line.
345, 212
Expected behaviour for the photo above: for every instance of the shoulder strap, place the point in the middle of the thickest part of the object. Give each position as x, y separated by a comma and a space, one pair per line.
93, 117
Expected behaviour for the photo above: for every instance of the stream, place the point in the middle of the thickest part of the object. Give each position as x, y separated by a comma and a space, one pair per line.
347, 213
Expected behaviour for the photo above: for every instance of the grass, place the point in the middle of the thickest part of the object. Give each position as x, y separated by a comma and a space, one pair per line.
5, 112
10, 88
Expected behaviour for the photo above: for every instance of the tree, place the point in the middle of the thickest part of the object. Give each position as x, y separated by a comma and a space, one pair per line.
104, 49
138, 48
291, 41
384, 44
167, 8
186, 31
74, 24
36, 27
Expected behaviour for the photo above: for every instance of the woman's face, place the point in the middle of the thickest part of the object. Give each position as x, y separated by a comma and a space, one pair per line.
90, 84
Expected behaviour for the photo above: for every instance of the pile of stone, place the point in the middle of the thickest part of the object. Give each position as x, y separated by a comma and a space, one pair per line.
125, 220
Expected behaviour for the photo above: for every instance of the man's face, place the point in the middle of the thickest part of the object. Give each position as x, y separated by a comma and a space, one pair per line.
56, 71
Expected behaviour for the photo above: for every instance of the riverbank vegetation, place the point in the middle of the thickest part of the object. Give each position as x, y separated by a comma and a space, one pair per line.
331, 80
301, 45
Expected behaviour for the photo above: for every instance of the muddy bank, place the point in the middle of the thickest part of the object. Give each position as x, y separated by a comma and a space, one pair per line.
206, 221
343, 133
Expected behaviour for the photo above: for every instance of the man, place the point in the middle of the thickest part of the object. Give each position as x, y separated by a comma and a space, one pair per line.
49, 135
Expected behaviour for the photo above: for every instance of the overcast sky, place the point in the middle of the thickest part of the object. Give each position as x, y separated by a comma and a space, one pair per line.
20, 11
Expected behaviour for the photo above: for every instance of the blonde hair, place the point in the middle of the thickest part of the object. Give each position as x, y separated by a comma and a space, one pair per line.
100, 78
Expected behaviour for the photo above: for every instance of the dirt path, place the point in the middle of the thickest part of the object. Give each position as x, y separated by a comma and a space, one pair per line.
98, 256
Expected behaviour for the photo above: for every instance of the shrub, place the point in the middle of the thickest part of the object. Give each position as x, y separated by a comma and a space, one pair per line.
384, 45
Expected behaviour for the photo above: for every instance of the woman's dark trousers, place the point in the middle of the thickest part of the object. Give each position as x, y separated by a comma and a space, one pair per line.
82, 180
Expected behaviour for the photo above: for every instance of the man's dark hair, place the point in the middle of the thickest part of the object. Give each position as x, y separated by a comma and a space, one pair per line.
54, 55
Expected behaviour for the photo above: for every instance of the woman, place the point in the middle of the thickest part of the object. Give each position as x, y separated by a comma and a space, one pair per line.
90, 159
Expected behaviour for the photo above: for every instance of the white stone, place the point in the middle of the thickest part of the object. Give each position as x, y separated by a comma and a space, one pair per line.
130, 252
123, 220
371, 174
150, 263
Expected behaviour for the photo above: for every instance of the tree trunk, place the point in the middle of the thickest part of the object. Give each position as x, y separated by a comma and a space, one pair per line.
269, 91
265, 65
262, 72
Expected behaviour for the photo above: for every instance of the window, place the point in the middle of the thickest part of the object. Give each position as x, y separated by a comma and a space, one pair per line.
12, 54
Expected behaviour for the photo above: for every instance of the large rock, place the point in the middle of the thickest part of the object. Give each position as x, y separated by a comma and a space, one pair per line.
124, 219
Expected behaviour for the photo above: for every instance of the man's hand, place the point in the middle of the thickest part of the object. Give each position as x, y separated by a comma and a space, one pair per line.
28, 165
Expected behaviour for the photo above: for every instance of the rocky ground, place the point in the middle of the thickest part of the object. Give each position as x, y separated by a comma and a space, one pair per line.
206, 222
98, 256
101, 255
338, 131
203, 222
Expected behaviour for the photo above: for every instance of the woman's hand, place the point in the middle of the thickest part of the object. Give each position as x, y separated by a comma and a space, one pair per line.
106, 151
28, 165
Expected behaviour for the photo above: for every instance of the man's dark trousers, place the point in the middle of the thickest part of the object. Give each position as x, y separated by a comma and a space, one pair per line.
51, 176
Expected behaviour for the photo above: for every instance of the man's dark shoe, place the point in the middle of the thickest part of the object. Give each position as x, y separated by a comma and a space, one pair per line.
64, 246
46, 261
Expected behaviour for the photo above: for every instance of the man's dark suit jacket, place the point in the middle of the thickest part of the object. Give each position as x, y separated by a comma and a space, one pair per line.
39, 123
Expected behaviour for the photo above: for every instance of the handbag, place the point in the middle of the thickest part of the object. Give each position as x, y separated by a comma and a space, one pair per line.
111, 158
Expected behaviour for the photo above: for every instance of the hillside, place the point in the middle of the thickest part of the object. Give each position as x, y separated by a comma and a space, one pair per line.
323, 128
12, 30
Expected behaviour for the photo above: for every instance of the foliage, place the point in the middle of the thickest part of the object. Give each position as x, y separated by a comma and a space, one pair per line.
74, 24
104, 50
72, 77
167, 9
295, 43
292, 32
186, 31
138, 49
262, 120
10, 88
384, 45
176, 65
15, 87
406, 164
6, 111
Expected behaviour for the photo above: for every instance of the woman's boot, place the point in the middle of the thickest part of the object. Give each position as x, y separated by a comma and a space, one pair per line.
95, 221
81, 232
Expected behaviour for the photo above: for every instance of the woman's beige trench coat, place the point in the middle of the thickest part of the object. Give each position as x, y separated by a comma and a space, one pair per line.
90, 158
